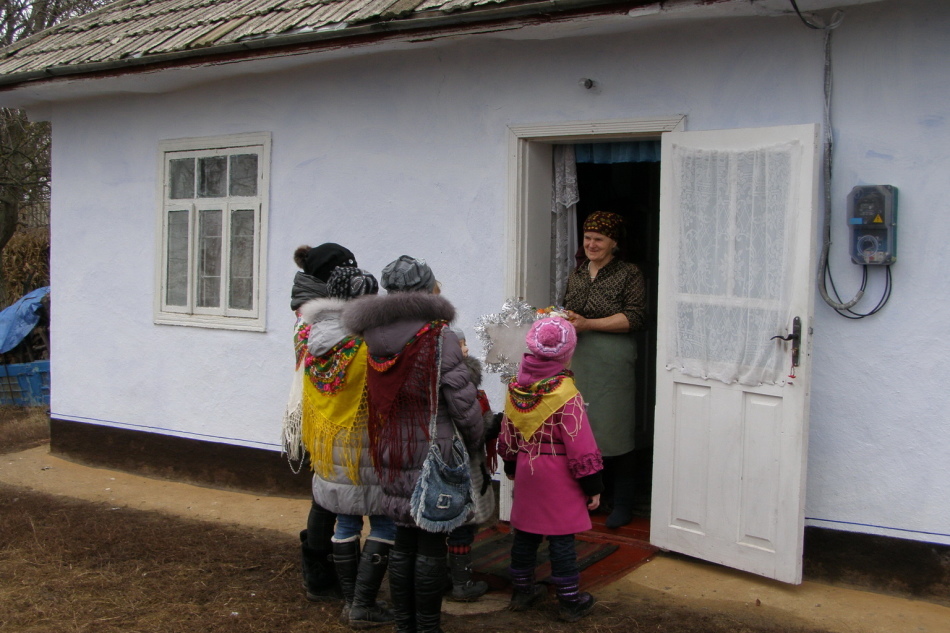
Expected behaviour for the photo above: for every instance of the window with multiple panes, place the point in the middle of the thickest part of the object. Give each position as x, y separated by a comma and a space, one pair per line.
214, 202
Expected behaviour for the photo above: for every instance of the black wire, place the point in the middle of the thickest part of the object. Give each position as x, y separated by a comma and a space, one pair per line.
851, 314
827, 277
802, 17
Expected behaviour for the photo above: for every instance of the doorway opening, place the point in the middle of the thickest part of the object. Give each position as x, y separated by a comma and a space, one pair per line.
537, 255
624, 178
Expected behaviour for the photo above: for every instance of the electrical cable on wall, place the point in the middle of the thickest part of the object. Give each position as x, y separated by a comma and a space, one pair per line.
824, 270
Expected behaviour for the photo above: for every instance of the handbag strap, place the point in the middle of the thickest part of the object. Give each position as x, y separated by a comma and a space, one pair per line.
434, 395
434, 390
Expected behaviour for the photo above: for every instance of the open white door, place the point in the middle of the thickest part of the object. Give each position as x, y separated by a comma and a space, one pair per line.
737, 234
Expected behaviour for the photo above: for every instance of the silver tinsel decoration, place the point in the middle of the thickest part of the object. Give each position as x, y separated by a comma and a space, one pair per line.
502, 336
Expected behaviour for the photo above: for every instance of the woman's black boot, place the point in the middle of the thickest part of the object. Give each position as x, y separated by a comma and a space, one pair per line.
365, 612
624, 485
430, 585
319, 575
346, 560
402, 590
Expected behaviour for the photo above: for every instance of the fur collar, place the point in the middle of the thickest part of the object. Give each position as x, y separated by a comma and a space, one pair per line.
475, 369
373, 311
311, 311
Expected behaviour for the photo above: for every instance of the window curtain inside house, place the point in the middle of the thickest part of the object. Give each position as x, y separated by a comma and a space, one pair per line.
730, 230
564, 197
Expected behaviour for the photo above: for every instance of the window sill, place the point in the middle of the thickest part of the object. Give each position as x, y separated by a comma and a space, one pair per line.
213, 322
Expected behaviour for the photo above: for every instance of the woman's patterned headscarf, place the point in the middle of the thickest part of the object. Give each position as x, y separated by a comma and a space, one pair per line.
605, 223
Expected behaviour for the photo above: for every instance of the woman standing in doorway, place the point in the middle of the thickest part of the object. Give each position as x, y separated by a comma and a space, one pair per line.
606, 301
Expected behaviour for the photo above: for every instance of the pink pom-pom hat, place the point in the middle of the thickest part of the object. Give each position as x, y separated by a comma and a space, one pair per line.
553, 338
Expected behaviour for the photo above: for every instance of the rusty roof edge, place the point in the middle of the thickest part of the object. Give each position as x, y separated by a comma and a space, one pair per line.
392, 27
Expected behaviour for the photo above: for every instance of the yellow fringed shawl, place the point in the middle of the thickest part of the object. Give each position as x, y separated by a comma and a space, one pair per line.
334, 408
528, 406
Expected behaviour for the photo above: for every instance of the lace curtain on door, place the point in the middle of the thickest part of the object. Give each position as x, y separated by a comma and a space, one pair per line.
728, 273
564, 199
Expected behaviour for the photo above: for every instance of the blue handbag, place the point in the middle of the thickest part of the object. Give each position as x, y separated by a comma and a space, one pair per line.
442, 498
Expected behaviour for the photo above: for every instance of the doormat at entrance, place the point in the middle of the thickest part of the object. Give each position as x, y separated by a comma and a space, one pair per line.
600, 562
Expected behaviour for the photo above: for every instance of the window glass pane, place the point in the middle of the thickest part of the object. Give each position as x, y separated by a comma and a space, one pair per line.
212, 172
209, 259
176, 273
243, 175
181, 178
241, 278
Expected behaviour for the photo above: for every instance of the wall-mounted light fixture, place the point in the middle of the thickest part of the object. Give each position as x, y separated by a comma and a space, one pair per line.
585, 83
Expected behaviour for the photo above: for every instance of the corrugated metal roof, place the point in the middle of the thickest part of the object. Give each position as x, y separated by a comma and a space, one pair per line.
138, 29
139, 32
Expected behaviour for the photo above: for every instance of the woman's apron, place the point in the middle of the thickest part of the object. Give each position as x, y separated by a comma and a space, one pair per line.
603, 367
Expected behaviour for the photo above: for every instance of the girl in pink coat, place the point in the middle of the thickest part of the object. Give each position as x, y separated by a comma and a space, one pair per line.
549, 451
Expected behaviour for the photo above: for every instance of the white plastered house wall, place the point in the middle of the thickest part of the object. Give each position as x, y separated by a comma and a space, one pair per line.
407, 151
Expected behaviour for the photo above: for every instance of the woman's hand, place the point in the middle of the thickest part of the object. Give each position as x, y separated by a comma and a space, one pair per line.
579, 322
593, 503
614, 323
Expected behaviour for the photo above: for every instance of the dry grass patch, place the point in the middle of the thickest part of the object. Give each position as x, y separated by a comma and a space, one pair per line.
78, 566
71, 566
23, 427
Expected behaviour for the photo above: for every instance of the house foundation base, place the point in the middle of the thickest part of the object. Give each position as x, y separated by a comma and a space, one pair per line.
179, 459
879, 563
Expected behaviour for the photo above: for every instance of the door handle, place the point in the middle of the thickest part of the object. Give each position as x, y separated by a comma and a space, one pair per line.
795, 337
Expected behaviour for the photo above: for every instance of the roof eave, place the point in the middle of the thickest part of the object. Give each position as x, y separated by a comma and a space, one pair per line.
362, 34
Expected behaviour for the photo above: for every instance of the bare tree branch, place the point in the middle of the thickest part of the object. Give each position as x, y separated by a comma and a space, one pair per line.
25, 145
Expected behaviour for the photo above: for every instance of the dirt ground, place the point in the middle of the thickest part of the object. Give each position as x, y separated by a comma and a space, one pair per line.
70, 565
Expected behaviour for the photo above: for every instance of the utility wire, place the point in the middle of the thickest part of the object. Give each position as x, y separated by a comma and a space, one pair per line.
824, 270
802, 17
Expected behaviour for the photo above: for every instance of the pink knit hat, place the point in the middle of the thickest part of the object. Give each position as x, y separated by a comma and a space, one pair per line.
553, 338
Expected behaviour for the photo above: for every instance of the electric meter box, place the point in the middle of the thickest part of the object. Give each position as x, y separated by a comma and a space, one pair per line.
872, 218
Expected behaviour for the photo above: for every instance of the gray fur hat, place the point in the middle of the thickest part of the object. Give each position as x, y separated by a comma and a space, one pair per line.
408, 274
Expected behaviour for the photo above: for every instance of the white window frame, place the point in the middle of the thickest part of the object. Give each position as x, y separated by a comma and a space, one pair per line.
222, 317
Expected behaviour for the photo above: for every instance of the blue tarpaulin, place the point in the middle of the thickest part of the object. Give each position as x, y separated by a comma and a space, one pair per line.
18, 320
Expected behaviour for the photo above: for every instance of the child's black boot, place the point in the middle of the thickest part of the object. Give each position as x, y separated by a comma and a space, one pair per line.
525, 592
464, 587
573, 604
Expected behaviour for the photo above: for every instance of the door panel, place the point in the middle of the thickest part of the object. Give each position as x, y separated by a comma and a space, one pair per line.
731, 426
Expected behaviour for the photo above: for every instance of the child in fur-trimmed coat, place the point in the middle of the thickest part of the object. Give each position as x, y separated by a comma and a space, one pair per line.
549, 451
462, 585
